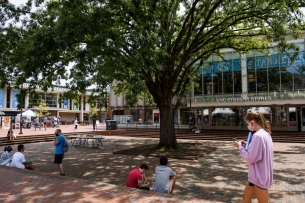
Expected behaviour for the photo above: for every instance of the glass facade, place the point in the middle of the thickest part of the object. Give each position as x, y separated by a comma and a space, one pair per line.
218, 77
248, 80
269, 74
50, 99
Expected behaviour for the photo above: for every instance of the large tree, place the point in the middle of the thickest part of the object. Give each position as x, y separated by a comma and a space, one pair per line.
149, 47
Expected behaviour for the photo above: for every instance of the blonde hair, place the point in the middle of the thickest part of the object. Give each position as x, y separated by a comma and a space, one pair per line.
259, 118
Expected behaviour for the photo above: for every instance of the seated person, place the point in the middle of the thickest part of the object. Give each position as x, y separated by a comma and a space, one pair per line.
11, 134
137, 179
19, 161
165, 177
6, 156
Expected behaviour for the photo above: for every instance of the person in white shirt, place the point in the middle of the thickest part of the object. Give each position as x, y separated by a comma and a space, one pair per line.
75, 123
18, 160
165, 177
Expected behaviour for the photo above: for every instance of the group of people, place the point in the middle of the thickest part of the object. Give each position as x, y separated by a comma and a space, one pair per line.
11, 135
257, 151
18, 159
46, 121
165, 178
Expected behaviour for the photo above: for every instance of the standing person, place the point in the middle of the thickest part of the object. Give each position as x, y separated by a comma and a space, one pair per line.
18, 160
137, 179
36, 123
128, 119
165, 177
45, 119
59, 142
52, 122
6, 155
75, 123
258, 152
94, 124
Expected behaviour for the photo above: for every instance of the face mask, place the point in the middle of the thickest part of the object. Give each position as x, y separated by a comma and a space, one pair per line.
251, 127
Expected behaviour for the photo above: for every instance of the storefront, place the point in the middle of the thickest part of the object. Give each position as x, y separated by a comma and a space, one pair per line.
227, 87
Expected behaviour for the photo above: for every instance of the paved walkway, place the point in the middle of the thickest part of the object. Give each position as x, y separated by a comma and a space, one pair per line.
97, 175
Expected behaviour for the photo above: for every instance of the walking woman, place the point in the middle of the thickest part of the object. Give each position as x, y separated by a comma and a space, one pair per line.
258, 152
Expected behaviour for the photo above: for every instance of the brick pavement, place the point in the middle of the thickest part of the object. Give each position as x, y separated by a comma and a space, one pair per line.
97, 175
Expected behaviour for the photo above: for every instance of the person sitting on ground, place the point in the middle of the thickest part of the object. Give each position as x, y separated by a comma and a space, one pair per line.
11, 134
6, 156
137, 179
18, 160
165, 177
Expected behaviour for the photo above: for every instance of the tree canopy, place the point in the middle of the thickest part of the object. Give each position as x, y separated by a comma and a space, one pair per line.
149, 47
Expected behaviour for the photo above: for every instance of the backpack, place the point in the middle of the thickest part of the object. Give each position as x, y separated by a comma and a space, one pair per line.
66, 145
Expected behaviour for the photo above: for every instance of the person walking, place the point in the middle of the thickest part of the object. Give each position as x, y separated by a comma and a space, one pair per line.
165, 177
37, 123
45, 120
75, 123
258, 152
94, 124
59, 142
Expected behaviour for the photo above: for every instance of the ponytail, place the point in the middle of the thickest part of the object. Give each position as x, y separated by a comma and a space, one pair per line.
259, 118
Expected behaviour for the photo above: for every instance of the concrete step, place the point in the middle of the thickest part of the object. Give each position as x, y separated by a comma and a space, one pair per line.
286, 137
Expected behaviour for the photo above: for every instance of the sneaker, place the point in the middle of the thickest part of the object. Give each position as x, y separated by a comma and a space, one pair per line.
63, 174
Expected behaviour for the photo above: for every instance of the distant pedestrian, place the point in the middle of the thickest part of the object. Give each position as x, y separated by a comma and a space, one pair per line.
59, 142
94, 124
37, 123
18, 160
137, 179
75, 123
52, 121
258, 152
45, 120
128, 119
165, 177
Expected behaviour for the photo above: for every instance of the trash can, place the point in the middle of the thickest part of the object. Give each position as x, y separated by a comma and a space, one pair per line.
111, 125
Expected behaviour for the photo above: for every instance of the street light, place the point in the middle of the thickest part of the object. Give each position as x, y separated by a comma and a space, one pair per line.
21, 121
21, 124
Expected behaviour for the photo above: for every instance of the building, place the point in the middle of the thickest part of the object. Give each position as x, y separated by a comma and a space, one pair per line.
226, 88
67, 110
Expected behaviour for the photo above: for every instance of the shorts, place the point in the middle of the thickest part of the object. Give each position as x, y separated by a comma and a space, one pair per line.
45, 123
251, 184
58, 158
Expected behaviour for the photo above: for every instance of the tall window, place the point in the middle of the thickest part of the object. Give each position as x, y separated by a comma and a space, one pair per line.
219, 76
50, 99
274, 74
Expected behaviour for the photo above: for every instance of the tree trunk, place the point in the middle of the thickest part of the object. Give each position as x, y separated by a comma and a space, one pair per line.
167, 128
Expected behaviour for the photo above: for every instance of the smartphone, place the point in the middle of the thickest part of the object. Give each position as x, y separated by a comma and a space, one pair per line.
149, 181
234, 138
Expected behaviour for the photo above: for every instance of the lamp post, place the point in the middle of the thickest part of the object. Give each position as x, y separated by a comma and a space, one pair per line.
21, 121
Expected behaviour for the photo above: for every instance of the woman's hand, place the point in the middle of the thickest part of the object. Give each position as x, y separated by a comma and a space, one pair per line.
237, 144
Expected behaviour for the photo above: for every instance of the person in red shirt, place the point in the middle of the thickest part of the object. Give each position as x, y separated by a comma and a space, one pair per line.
137, 179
